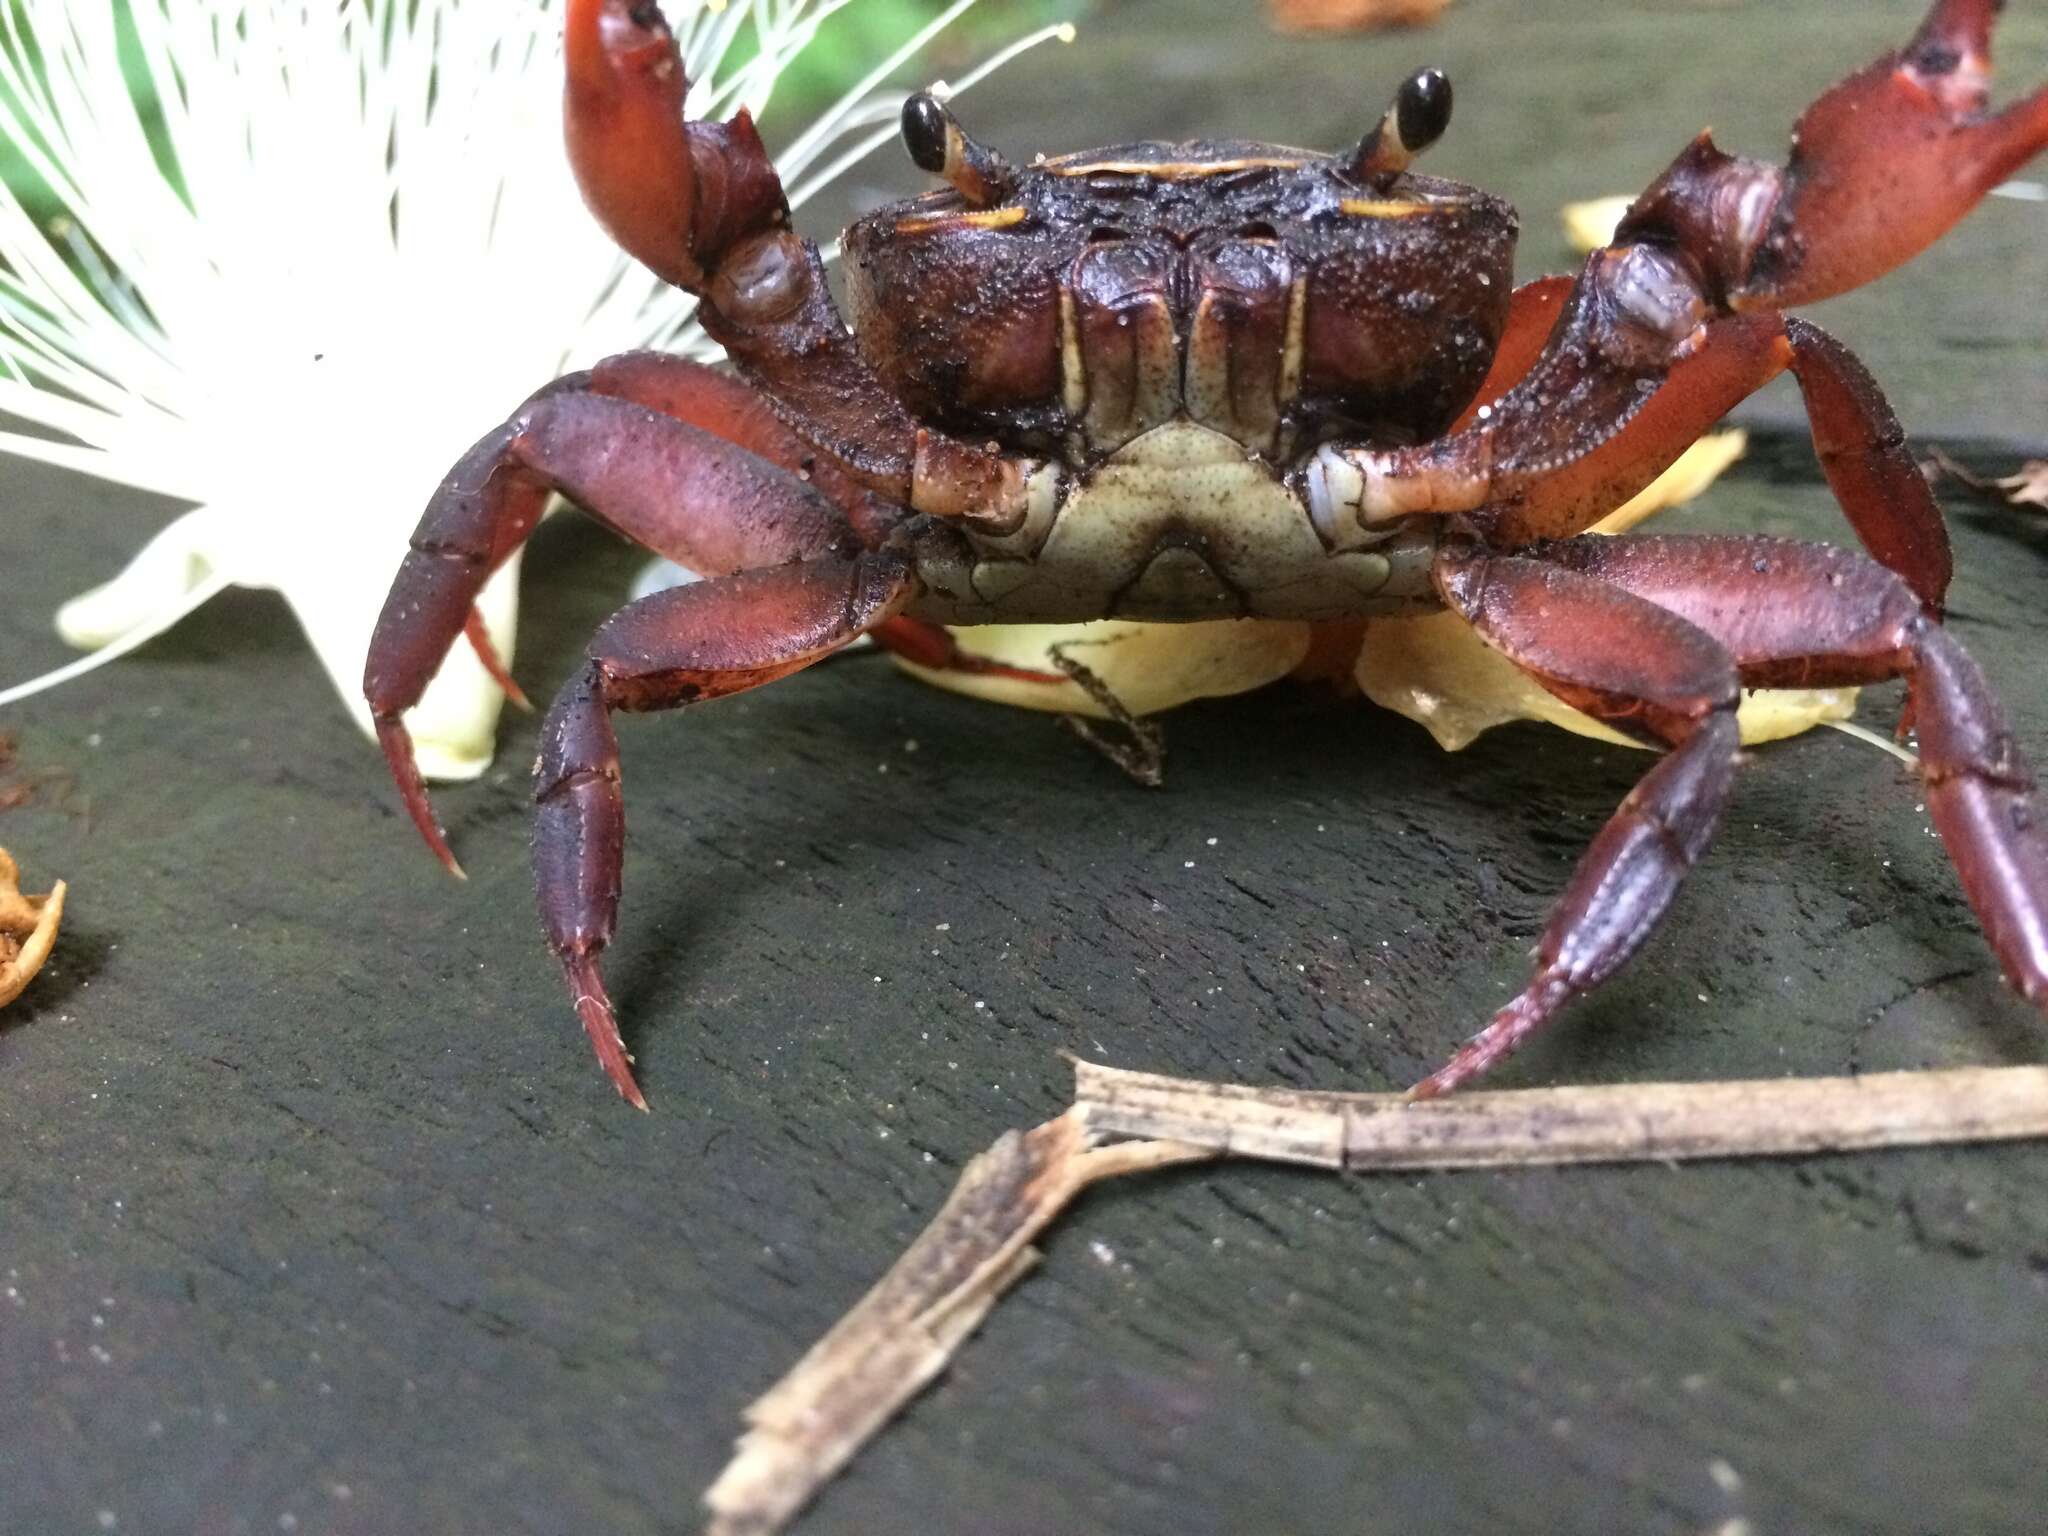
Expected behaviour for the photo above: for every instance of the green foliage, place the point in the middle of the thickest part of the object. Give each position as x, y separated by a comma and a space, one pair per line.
851, 42
17, 170
846, 48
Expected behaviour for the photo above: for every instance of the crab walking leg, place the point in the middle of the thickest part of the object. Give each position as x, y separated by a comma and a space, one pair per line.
714, 402
1642, 669
725, 406
479, 638
1807, 615
1861, 447
1529, 471
721, 403
1862, 450
925, 644
677, 647
702, 501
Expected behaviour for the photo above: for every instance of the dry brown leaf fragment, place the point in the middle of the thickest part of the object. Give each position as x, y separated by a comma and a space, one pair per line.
28, 930
1352, 15
2027, 487
20, 786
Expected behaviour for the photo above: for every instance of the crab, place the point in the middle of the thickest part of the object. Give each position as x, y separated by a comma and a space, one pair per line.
1227, 380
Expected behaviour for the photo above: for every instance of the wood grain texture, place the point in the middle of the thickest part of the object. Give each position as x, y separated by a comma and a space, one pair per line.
307, 1130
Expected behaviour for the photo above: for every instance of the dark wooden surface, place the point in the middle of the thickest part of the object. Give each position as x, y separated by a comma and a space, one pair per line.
315, 1214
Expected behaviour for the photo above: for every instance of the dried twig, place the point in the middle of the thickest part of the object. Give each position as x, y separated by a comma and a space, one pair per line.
901, 1335
28, 930
1142, 754
1531, 1127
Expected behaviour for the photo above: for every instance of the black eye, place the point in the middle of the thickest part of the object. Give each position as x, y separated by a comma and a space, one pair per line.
924, 132
1423, 109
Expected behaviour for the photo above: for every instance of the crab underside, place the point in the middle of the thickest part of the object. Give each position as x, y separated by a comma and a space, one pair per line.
1230, 381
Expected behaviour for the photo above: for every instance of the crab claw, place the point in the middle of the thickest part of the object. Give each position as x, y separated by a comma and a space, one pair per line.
1889, 160
623, 114
675, 195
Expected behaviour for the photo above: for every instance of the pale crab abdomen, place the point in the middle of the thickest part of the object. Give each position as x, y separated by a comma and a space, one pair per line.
1181, 523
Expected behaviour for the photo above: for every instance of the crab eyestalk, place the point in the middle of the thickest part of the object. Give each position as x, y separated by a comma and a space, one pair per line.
938, 144
1415, 119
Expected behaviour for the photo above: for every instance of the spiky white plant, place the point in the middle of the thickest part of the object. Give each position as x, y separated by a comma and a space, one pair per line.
366, 247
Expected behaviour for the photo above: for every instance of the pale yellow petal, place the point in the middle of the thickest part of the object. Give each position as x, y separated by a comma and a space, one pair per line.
1590, 225
1150, 667
1438, 672
1688, 475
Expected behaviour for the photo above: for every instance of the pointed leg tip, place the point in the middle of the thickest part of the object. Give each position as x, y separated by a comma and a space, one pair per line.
487, 656
600, 1023
622, 1079
396, 741
436, 839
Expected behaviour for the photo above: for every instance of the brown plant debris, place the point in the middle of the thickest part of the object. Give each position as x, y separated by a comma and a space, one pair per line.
2028, 487
18, 789
1352, 15
28, 930
903, 1333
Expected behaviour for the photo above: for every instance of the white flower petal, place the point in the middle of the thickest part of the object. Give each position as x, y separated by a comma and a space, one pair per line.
374, 251
159, 580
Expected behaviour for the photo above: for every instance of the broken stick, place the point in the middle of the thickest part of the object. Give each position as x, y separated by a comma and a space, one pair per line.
903, 1332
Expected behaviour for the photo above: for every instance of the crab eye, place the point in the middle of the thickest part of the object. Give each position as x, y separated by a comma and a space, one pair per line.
924, 132
1416, 119
1422, 109
937, 144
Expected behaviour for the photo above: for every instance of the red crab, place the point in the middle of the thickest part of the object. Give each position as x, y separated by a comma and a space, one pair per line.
1191, 381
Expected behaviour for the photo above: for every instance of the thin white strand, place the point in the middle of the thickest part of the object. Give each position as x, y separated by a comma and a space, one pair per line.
1058, 32
890, 109
215, 584
809, 143
1882, 743
96, 462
